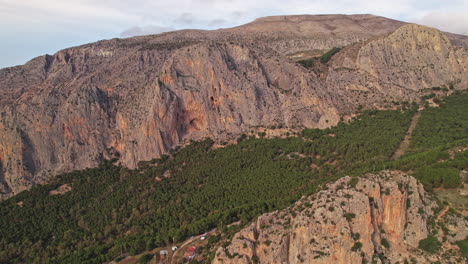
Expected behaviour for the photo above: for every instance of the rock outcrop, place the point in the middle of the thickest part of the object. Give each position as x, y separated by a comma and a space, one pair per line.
136, 98
377, 218
397, 67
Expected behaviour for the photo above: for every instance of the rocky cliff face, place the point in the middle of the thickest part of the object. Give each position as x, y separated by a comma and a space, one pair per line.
83, 111
378, 218
289, 34
396, 67
136, 98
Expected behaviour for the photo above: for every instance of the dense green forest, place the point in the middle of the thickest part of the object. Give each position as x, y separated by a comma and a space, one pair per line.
439, 126
196, 188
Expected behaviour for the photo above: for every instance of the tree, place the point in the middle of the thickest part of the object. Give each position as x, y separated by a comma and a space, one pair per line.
430, 244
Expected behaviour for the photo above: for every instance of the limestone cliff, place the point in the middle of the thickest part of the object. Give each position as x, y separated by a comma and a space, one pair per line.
136, 98
397, 67
96, 103
377, 218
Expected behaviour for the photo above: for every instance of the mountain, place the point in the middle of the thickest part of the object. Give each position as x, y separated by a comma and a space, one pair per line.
378, 218
137, 98
111, 213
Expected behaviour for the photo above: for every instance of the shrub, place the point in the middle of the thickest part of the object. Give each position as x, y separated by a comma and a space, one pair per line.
355, 236
349, 216
327, 56
213, 239
357, 246
463, 245
385, 243
430, 244
241, 138
145, 258
353, 182
451, 178
307, 63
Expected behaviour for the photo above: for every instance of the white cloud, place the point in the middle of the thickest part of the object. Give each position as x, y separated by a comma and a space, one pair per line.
50, 11
450, 22
202, 13
145, 30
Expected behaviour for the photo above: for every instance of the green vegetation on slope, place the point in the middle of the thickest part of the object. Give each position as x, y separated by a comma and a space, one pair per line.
112, 209
430, 244
433, 177
438, 130
327, 56
447, 124
463, 245
309, 63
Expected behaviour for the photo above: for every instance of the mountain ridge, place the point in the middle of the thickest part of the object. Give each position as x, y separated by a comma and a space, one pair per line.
137, 98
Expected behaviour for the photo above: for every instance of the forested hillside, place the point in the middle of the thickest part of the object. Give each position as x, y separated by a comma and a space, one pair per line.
439, 126
110, 209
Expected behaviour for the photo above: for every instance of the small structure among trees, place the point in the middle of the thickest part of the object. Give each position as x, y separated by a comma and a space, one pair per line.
190, 253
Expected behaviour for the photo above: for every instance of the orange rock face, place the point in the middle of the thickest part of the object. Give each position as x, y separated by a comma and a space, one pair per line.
343, 224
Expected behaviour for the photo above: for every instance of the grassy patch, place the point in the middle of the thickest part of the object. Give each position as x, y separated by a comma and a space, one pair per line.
327, 56
463, 245
430, 244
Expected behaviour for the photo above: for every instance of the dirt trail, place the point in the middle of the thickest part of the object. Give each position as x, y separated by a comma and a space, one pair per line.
404, 145
442, 213
173, 259
186, 243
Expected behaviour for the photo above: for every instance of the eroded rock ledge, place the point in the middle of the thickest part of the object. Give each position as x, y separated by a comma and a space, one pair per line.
378, 217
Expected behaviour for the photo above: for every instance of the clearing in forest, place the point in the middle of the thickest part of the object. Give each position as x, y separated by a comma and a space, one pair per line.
404, 145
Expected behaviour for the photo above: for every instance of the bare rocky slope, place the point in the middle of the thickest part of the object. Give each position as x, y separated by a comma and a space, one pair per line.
136, 98
378, 218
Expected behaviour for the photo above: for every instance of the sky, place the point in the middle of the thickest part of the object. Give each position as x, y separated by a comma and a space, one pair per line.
30, 28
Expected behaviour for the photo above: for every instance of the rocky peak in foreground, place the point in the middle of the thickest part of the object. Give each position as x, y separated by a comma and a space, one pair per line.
379, 217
